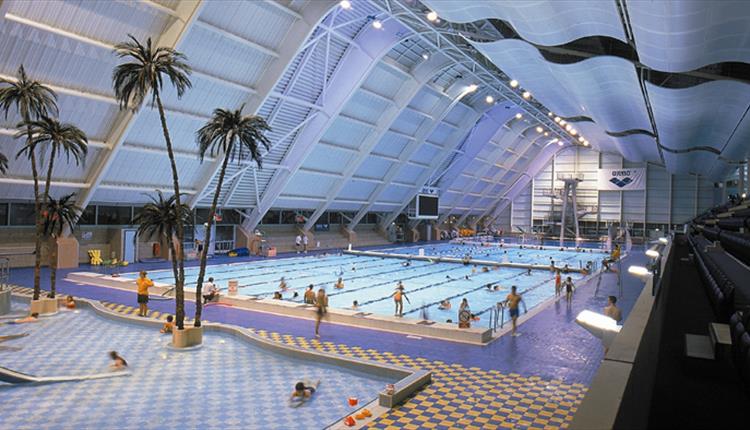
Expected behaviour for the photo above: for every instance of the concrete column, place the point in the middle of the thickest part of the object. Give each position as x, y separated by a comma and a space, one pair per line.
67, 252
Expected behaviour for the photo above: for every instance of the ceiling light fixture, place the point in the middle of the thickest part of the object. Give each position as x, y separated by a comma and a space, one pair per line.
426, 56
377, 24
432, 16
585, 143
560, 143
345, 4
568, 127
558, 119
489, 100
573, 131
519, 115
526, 95
546, 133
472, 88
513, 83
539, 129
581, 139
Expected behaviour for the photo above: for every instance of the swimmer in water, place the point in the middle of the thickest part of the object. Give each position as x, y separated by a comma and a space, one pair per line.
118, 363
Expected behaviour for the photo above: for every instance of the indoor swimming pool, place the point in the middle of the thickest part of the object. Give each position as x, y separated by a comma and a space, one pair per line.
226, 383
371, 281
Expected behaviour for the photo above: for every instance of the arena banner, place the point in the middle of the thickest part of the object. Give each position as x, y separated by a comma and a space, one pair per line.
625, 179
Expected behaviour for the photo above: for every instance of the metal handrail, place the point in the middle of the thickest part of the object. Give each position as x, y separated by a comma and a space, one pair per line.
4, 272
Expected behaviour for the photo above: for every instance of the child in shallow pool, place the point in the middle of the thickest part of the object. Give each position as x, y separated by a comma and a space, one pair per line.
118, 363
70, 303
303, 391
168, 325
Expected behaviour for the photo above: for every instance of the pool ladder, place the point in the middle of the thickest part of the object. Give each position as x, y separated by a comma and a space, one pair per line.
497, 316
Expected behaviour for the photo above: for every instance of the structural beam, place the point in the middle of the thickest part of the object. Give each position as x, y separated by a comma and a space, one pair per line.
440, 110
522, 179
293, 43
454, 139
188, 12
497, 118
350, 73
422, 74
532, 140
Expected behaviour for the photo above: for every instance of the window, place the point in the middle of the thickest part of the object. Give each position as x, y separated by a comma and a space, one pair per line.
271, 217
88, 216
323, 219
371, 218
334, 218
114, 215
288, 217
22, 214
230, 216
3, 214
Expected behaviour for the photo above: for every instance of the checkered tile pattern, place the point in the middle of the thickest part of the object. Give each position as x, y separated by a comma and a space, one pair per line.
226, 384
459, 397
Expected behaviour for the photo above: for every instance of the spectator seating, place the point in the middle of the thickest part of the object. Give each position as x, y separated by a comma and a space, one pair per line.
739, 324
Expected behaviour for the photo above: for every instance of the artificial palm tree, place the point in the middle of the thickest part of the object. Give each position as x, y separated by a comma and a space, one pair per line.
159, 219
58, 215
33, 101
238, 137
145, 72
60, 137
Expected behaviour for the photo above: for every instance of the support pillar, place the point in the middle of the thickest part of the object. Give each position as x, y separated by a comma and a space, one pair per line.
67, 252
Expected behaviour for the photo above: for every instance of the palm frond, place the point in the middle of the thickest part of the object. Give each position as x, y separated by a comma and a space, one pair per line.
65, 138
236, 135
158, 218
60, 213
30, 98
3, 163
145, 71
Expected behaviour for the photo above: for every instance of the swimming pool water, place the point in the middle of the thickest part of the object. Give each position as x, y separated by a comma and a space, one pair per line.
227, 383
372, 280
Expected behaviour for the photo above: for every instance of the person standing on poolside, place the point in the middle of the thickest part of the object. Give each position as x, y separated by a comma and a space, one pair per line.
512, 301
305, 242
298, 243
558, 283
321, 301
398, 299
143, 285
569, 287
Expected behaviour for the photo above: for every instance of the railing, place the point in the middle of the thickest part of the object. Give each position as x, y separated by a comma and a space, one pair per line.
223, 245
497, 316
4, 272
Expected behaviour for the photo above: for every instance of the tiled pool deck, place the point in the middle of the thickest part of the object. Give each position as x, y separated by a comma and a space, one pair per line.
535, 380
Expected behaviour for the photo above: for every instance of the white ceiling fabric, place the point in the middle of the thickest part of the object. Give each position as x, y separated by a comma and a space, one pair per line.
542, 22
679, 36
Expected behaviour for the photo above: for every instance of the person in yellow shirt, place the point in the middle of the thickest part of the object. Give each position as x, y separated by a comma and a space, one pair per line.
614, 256
143, 285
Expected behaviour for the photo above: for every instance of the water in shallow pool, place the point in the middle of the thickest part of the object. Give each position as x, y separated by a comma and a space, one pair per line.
227, 383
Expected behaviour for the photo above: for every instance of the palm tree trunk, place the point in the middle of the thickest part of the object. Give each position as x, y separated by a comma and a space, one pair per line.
38, 215
207, 241
172, 255
180, 278
53, 267
53, 242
